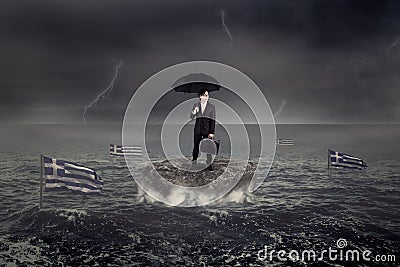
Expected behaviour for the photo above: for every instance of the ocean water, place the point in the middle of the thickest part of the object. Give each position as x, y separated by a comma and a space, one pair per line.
298, 206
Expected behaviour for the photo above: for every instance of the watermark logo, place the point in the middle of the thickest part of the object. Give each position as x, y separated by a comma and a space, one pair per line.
338, 253
341, 243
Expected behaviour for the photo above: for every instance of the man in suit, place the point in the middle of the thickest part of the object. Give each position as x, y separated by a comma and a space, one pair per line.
204, 112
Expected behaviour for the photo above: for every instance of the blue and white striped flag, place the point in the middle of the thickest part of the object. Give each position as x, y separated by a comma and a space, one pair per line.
61, 174
117, 150
341, 160
284, 142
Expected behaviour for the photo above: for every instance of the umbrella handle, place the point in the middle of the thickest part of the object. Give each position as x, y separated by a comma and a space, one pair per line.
198, 109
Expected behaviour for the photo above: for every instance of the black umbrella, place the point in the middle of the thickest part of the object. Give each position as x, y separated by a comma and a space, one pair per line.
195, 82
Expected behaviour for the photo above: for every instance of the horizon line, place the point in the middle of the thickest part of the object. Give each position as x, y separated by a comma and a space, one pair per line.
251, 123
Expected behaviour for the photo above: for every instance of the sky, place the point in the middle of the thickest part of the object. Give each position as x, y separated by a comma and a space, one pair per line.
314, 61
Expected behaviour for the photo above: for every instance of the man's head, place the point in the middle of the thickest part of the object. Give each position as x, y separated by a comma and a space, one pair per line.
203, 95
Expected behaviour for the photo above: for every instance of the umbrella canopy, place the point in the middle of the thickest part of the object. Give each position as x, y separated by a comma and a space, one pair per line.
195, 82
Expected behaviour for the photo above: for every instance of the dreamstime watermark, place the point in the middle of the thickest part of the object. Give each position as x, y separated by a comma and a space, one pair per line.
331, 254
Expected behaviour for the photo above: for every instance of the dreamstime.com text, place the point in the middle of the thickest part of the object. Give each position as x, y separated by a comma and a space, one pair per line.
331, 254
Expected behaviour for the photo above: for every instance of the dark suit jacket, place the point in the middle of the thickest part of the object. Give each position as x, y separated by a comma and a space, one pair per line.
205, 122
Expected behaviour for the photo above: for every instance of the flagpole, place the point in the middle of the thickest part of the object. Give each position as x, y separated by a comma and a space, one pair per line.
329, 164
41, 182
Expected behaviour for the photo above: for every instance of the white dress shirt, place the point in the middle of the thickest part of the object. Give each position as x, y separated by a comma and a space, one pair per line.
203, 106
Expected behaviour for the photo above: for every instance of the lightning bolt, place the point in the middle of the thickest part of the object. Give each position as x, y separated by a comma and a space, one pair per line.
392, 46
281, 108
226, 28
103, 95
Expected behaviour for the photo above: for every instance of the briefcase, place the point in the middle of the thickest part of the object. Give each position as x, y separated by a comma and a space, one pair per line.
209, 146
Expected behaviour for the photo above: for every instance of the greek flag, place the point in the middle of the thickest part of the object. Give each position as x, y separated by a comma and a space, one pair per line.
341, 160
61, 174
284, 142
117, 150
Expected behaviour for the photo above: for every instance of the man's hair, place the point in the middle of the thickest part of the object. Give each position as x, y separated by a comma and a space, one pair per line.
202, 92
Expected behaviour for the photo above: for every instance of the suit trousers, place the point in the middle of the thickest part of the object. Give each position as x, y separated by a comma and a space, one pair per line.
197, 139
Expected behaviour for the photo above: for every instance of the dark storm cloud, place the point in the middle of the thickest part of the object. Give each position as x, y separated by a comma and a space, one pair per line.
54, 51
327, 59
